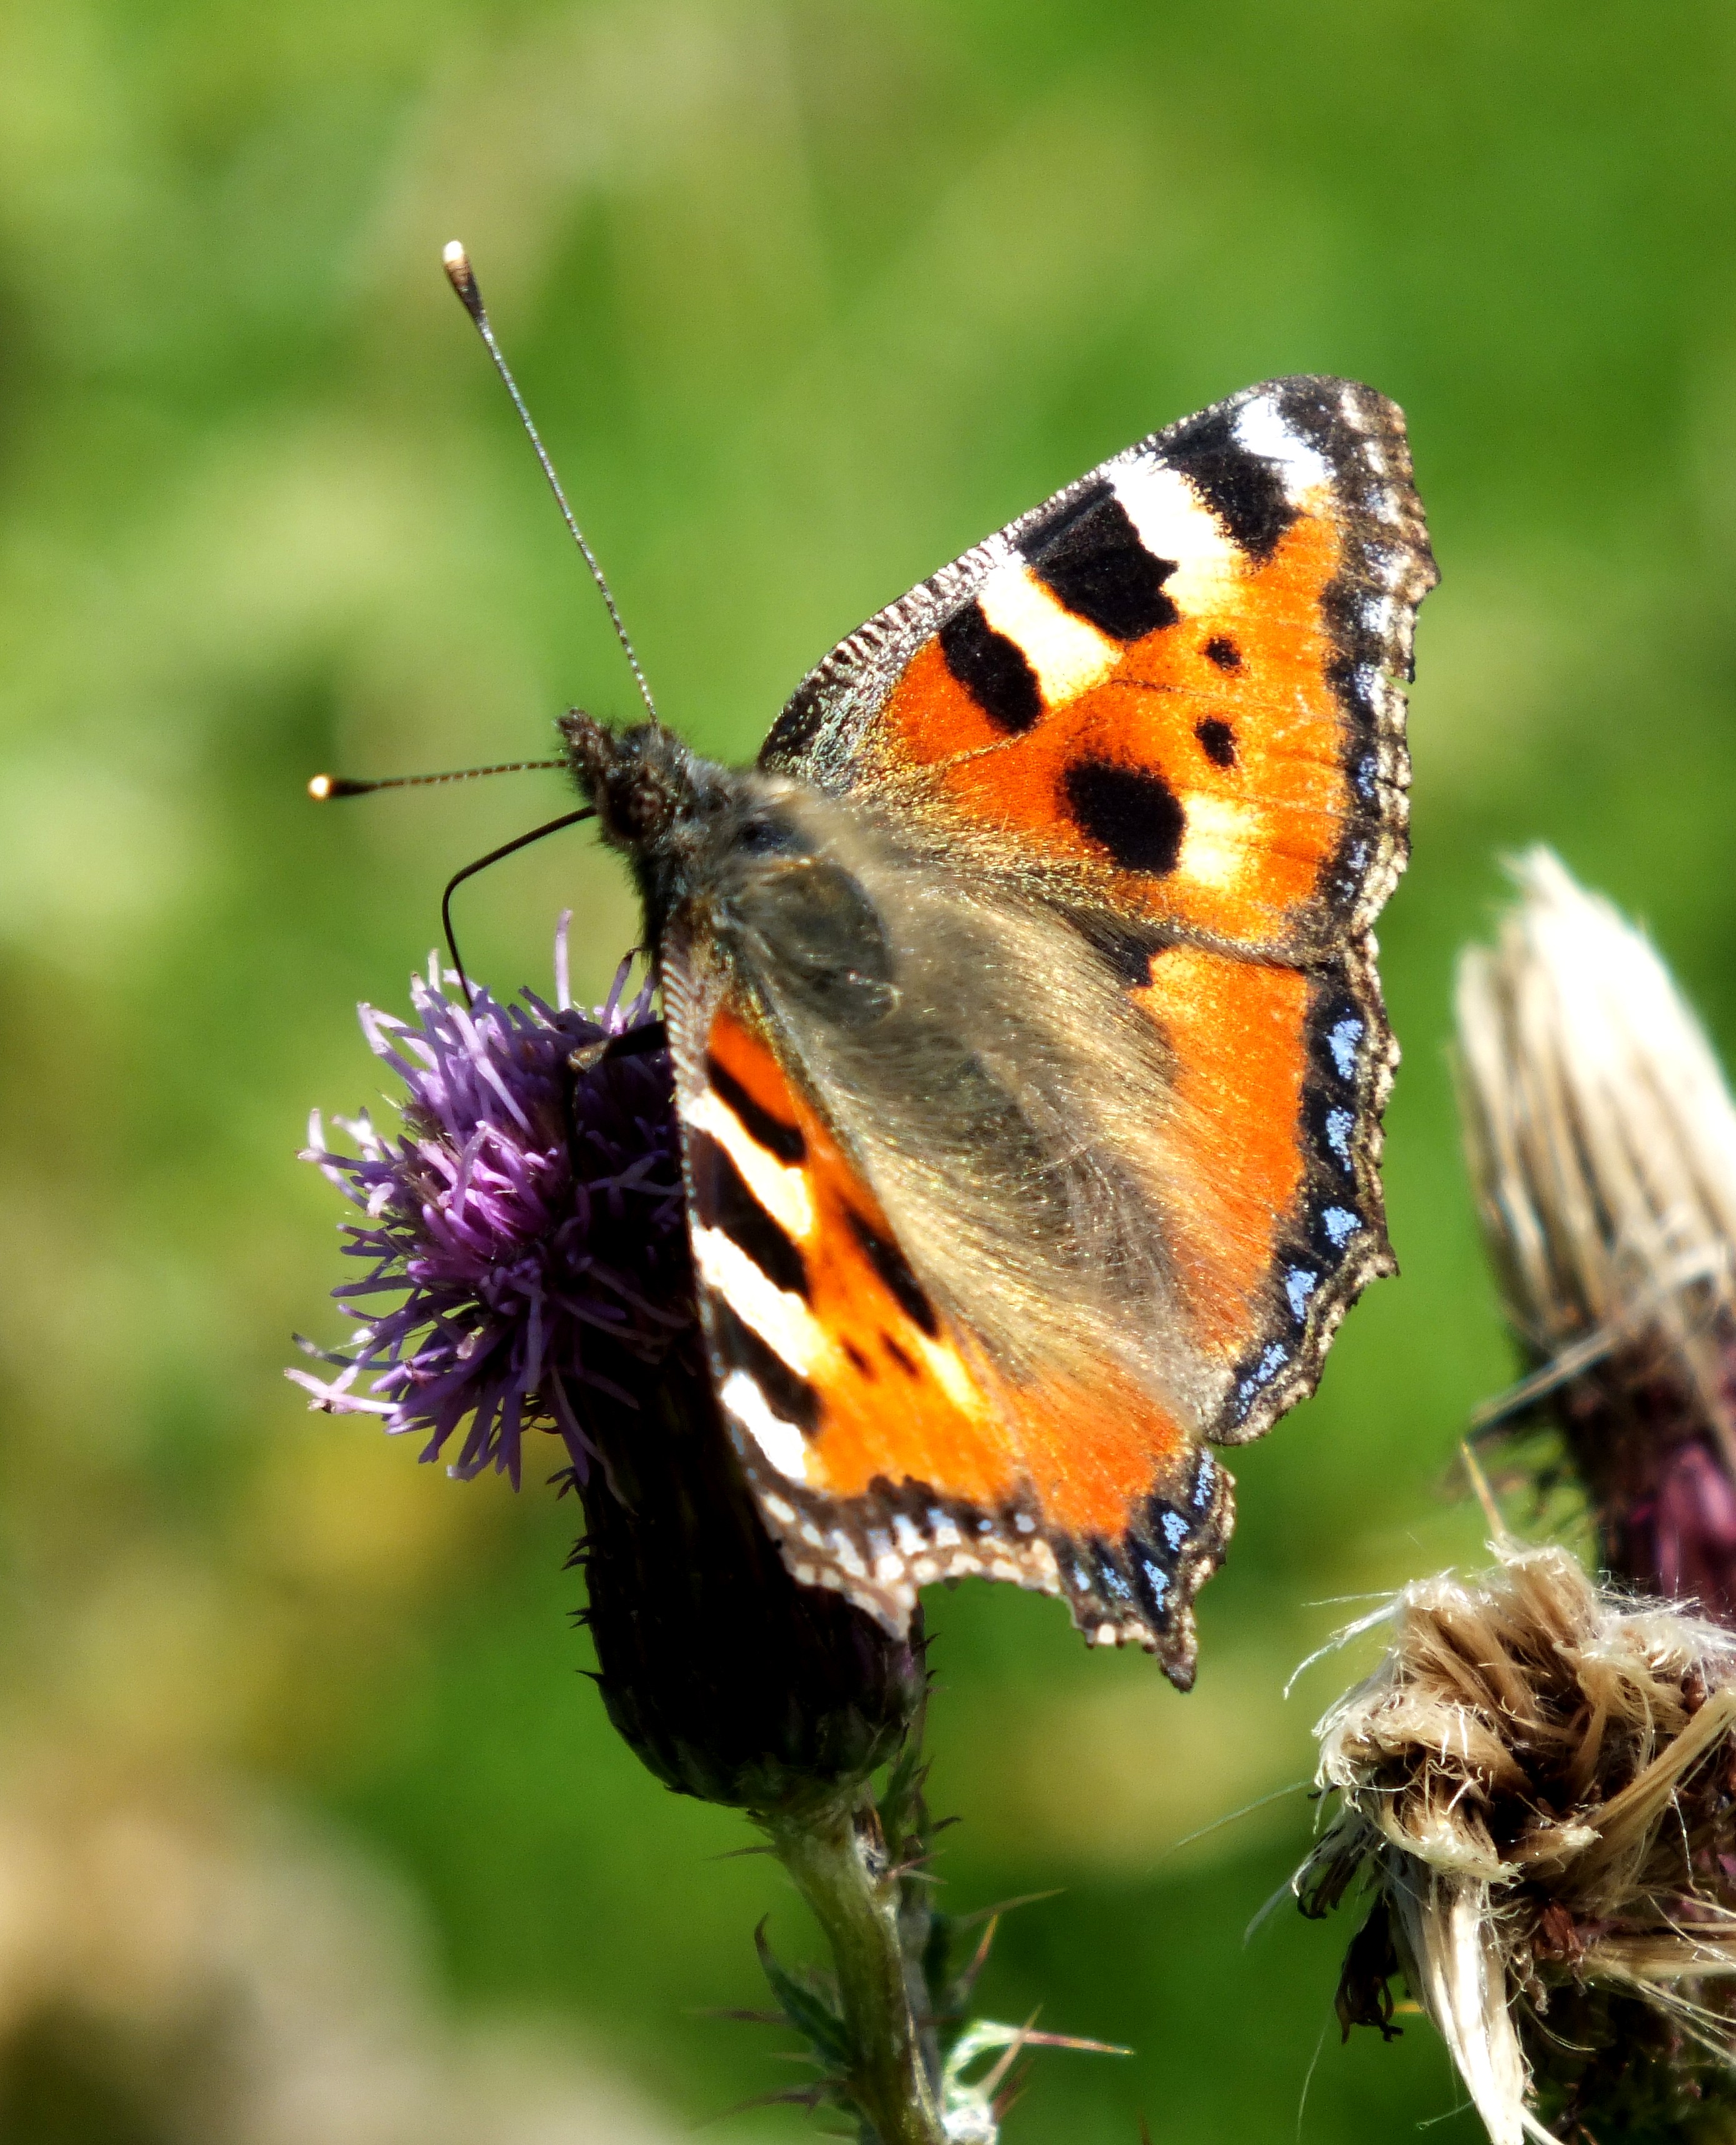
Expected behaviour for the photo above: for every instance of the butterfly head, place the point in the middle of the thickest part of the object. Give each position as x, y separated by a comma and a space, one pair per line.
661, 805
640, 780
757, 856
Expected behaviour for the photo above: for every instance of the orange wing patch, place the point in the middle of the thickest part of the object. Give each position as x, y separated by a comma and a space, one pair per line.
1172, 686
888, 1392
885, 1452
1237, 1032
1208, 794
1279, 1077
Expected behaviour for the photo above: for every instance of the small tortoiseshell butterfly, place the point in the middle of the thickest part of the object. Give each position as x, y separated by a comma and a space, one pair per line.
1029, 1050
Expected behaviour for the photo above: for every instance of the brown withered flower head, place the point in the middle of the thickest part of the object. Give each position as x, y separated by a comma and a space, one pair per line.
1535, 1790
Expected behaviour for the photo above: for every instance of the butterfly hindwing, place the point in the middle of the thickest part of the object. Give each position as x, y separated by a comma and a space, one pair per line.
885, 1449
1280, 1076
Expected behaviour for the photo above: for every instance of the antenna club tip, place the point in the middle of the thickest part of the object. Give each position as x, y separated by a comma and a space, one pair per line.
461, 275
321, 787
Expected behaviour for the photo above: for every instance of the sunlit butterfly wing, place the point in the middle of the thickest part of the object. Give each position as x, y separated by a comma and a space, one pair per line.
885, 1450
1168, 699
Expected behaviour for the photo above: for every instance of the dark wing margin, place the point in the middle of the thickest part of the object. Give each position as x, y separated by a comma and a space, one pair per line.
1335, 1242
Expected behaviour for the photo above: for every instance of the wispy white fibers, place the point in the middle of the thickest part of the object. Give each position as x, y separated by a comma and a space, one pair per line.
1602, 1137
1531, 1788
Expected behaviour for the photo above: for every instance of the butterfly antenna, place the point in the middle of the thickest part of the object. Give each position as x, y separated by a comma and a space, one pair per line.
462, 278
324, 787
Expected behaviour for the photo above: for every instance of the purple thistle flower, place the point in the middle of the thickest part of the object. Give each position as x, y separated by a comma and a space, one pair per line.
528, 1216
528, 1226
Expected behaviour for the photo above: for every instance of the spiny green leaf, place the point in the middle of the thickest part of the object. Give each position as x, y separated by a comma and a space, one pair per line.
805, 2010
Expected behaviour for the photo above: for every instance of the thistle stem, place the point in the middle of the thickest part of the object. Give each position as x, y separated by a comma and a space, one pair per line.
836, 1855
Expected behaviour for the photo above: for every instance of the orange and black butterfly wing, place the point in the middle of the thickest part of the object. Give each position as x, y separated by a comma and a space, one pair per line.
884, 1451
1172, 696
1165, 705
1174, 683
1284, 1071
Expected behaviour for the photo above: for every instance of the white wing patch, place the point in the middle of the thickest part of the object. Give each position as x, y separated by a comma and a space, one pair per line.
1067, 655
1220, 838
1261, 429
1173, 522
788, 1327
781, 1188
781, 1442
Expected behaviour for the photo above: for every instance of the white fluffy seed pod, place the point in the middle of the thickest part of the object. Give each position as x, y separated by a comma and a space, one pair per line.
1535, 1786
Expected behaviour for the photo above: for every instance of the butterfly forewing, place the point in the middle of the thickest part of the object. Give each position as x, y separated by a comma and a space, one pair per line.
1174, 681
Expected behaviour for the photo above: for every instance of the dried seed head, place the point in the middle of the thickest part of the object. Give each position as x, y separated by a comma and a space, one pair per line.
1603, 1146
1535, 1784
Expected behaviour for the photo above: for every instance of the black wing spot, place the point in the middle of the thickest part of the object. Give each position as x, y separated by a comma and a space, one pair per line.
859, 1361
899, 1356
1129, 948
1244, 490
893, 1268
772, 1133
1090, 555
991, 669
1130, 811
789, 1395
1217, 740
724, 1202
1221, 651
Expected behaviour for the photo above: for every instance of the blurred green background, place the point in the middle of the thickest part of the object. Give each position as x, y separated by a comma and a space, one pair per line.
806, 298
